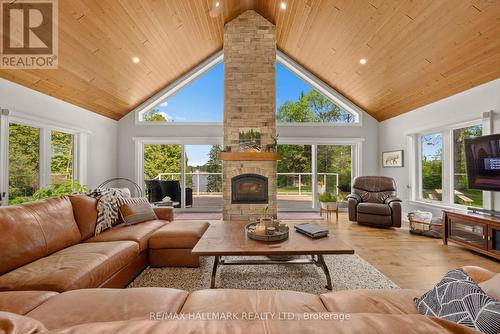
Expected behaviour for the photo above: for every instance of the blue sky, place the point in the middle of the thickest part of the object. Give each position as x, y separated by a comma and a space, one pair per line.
432, 146
203, 101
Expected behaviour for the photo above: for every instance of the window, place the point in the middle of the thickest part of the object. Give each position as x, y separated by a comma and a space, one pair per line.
24, 161
442, 169
202, 100
162, 162
462, 194
201, 175
38, 155
298, 102
295, 176
306, 169
61, 162
334, 169
199, 97
432, 167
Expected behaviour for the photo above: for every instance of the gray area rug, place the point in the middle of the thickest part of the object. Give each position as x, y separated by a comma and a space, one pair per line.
347, 271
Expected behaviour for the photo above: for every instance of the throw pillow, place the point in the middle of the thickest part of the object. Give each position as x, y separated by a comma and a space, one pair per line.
136, 210
459, 299
107, 206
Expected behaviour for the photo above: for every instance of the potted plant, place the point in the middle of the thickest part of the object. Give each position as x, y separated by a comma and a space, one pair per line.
328, 201
266, 219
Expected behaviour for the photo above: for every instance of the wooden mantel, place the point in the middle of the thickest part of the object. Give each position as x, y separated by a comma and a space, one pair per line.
249, 156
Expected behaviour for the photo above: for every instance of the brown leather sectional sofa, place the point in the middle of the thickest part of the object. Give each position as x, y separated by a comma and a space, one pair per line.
163, 310
50, 245
51, 264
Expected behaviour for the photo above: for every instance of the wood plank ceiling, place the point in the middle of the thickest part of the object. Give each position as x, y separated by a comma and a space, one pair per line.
417, 51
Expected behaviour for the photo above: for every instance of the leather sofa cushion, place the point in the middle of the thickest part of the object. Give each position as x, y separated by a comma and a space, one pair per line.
164, 213
139, 233
86, 265
35, 230
55, 216
100, 305
85, 212
374, 209
11, 323
395, 301
229, 300
21, 302
357, 323
178, 234
369, 219
21, 238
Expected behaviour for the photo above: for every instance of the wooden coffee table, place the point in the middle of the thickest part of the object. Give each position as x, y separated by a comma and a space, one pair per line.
228, 238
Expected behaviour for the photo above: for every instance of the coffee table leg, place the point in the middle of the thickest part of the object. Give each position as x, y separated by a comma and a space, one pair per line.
321, 261
214, 272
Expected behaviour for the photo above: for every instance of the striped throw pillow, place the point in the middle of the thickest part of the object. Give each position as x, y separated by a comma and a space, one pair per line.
136, 210
459, 299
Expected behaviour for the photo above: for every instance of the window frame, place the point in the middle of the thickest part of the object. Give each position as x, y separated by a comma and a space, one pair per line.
212, 61
448, 158
45, 149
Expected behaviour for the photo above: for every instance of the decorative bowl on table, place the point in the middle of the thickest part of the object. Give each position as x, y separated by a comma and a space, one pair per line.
260, 232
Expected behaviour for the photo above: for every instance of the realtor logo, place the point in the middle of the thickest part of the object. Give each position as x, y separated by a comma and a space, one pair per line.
29, 31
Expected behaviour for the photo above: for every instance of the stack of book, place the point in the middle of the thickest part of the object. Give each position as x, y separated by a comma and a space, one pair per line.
311, 230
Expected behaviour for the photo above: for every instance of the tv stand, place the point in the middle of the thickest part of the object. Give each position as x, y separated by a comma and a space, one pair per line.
479, 211
474, 231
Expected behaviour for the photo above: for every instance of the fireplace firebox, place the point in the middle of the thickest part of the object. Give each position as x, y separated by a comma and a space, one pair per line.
249, 189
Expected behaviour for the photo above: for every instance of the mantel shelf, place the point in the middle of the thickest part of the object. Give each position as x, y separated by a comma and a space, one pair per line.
249, 156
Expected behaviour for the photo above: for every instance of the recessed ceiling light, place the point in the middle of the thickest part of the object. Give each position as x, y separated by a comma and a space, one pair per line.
362, 61
283, 5
217, 4
136, 60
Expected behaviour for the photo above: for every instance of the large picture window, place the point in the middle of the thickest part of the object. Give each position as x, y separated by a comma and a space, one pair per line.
442, 167
198, 97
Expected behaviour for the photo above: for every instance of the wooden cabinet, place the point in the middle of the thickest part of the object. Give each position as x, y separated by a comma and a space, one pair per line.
473, 231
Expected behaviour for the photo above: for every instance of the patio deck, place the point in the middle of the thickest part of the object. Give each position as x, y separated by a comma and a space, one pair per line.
284, 201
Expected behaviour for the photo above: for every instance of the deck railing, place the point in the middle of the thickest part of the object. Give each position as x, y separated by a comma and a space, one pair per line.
303, 183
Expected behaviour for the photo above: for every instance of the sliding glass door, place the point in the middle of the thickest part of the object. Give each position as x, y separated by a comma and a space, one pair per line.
307, 171
295, 177
192, 174
334, 165
204, 176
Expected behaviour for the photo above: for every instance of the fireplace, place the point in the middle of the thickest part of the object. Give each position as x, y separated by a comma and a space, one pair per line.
249, 189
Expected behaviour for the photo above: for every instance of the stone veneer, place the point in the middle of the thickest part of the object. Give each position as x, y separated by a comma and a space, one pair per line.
249, 102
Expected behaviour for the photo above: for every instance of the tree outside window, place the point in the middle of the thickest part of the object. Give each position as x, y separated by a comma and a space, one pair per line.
462, 194
432, 167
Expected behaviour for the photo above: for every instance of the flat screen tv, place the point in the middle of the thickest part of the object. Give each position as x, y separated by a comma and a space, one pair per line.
483, 162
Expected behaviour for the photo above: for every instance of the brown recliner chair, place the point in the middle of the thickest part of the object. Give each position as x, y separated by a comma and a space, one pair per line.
373, 202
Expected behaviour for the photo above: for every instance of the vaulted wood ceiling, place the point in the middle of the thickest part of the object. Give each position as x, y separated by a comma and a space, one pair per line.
417, 51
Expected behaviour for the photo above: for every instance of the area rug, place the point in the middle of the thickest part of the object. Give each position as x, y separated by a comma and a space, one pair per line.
347, 271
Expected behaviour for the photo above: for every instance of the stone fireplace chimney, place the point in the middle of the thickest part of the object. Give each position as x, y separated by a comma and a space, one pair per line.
249, 102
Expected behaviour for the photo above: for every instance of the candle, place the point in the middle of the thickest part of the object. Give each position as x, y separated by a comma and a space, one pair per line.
260, 230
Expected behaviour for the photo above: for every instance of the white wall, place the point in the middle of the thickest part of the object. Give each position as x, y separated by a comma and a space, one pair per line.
128, 130
466, 106
103, 132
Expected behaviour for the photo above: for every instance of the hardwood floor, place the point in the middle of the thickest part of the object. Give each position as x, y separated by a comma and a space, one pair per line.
411, 261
